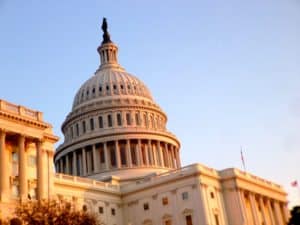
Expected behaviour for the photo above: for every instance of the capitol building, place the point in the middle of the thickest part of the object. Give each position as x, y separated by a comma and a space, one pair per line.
119, 161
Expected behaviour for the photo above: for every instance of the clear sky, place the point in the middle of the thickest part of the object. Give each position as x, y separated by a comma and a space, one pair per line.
227, 73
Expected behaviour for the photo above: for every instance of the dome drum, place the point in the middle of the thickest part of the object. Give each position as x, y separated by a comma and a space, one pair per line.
103, 158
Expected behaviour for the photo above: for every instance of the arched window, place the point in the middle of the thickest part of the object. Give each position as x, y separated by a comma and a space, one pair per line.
77, 129
109, 120
100, 118
137, 119
119, 119
128, 119
83, 127
92, 123
188, 218
145, 120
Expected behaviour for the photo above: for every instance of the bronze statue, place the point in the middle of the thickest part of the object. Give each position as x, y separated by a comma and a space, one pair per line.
106, 37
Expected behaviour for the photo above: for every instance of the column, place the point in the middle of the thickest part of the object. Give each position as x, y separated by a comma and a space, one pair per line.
138, 153
117, 152
262, 208
160, 154
151, 161
170, 163
128, 152
173, 157
67, 164
48, 158
74, 164
278, 214
106, 156
96, 160
84, 162
177, 158
243, 205
23, 169
205, 202
223, 216
165, 151
4, 176
270, 212
285, 211
146, 155
154, 155
39, 170
254, 209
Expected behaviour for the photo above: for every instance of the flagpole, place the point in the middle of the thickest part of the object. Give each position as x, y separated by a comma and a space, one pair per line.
298, 187
243, 160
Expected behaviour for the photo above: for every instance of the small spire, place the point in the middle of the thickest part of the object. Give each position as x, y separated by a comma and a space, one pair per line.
106, 36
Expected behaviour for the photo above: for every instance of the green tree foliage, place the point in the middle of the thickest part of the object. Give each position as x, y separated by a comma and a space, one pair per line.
295, 216
54, 213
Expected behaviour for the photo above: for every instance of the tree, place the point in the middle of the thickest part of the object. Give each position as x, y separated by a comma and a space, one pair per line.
54, 213
295, 213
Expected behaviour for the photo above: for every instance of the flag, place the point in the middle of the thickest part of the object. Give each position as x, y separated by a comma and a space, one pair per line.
242, 158
294, 183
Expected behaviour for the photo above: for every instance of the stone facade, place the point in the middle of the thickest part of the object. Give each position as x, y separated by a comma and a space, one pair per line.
26, 155
119, 161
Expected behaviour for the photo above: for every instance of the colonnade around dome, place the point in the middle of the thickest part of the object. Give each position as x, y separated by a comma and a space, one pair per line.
118, 154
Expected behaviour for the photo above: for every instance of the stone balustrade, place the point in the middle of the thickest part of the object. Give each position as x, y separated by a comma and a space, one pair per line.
20, 110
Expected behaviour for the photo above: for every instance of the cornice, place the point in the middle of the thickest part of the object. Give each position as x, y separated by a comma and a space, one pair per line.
114, 136
24, 120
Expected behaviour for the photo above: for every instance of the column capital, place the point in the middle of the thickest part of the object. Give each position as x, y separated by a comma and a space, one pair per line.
2, 130
39, 140
39, 143
2, 134
22, 135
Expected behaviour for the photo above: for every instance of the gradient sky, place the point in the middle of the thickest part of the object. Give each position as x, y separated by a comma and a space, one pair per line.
227, 73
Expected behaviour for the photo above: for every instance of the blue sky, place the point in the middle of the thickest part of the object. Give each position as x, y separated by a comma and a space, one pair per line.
226, 72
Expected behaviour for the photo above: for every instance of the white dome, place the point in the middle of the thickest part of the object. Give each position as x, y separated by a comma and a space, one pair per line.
115, 128
110, 82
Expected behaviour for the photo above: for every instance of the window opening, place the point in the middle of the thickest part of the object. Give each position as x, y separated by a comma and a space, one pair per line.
128, 119
185, 195
83, 127
165, 201
92, 123
119, 119
188, 220
146, 206
100, 122
109, 120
